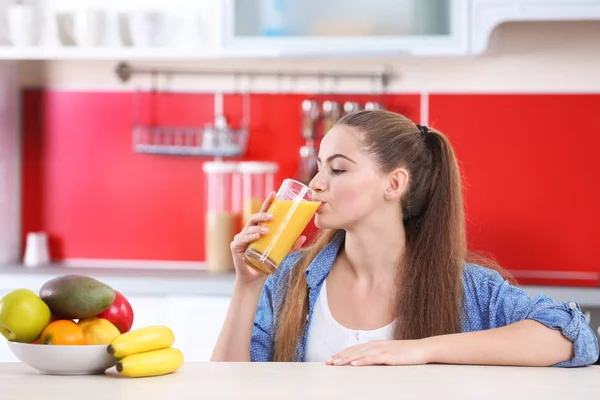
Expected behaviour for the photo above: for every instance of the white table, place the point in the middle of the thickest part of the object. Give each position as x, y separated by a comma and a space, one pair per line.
309, 381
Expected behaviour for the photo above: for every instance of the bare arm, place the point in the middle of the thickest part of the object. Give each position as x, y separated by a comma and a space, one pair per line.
233, 343
524, 343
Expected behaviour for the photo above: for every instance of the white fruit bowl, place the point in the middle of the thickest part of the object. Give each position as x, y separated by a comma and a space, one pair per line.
64, 360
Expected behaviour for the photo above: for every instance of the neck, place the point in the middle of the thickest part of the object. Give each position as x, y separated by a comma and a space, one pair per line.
373, 252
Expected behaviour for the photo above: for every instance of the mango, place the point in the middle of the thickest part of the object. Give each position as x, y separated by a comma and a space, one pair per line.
77, 296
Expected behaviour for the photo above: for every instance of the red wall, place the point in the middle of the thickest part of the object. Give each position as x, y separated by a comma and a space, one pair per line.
528, 162
531, 176
97, 198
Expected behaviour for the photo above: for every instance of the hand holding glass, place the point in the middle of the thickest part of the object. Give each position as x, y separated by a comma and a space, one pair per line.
292, 209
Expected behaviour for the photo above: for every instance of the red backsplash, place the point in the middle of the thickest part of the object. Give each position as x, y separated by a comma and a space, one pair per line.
530, 168
98, 199
528, 162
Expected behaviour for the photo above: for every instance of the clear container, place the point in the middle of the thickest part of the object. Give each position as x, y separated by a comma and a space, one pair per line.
258, 180
223, 212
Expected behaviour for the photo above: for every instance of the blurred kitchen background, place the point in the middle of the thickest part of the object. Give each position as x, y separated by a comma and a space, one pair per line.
134, 136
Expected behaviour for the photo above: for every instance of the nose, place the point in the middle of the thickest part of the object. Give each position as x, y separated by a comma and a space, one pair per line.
317, 183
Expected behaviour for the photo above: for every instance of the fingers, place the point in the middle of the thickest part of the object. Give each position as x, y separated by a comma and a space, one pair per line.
378, 359
298, 245
256, 219
353, 354
248, 235
267, 203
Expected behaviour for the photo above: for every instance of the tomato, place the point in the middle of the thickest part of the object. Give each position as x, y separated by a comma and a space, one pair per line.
62, 332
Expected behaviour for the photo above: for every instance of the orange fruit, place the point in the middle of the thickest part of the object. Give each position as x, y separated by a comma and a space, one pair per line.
62, 332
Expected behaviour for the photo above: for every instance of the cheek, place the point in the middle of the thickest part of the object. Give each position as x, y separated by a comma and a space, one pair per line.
356, 195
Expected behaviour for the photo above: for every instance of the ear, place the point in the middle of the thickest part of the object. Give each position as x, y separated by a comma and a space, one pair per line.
397, 184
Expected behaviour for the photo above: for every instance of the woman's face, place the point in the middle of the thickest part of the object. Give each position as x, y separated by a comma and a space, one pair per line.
348, 182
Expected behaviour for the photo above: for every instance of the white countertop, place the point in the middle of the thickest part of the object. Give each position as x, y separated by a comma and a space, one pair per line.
304, 381
131, 281
174, 281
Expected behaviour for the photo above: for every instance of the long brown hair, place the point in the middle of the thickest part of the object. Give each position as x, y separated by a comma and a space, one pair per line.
429, 295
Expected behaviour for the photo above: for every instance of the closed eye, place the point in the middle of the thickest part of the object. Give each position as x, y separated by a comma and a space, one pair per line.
337, 171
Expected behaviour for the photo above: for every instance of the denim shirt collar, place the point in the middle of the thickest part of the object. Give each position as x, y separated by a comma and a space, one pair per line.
319, 268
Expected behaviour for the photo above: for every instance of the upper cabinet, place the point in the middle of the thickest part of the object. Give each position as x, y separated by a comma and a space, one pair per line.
189, 30
485, 15
346, 27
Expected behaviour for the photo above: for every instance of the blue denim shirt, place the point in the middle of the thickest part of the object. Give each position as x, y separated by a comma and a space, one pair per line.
491, 302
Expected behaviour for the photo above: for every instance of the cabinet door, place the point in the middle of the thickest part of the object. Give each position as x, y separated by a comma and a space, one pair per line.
196, 322
148, 310
335, 27
5, 354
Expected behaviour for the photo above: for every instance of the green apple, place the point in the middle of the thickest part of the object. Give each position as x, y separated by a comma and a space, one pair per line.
23, 316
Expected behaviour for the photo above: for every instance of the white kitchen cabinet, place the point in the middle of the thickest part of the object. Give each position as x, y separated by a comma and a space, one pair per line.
196, 322
485, 15
221, 29
346, 27
149, 310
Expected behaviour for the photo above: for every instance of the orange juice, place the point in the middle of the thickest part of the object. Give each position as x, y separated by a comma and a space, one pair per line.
290, 218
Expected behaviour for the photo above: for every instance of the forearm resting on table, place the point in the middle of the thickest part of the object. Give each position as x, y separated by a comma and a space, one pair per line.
524, 343
233, 343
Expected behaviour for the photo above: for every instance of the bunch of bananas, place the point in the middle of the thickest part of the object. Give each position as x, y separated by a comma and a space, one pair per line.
146, 352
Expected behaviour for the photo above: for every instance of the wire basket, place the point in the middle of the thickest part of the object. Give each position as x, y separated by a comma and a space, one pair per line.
207, 141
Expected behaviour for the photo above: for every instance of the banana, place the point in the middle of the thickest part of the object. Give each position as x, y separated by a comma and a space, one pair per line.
141, 340
151, 363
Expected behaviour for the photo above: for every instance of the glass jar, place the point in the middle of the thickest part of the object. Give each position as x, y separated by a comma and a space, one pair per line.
258, 180
223, 212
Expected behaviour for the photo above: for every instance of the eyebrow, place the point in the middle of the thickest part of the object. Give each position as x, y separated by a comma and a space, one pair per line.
333, 157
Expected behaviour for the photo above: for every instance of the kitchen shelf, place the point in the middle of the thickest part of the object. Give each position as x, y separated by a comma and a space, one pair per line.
124, 53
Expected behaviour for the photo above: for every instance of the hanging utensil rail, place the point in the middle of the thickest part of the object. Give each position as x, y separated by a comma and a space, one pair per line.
384, 76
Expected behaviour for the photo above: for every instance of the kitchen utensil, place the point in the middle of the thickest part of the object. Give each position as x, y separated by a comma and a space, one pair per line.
373, 105
331, 113
310, 118
350, 107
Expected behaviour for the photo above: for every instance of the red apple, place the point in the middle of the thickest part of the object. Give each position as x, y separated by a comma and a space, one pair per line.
119, 313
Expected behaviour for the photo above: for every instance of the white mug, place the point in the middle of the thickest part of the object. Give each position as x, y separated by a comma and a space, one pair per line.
23, 25
87, 28
150, 28
36, 249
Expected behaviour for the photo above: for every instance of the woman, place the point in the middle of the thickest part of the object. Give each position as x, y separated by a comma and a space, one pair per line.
387, 281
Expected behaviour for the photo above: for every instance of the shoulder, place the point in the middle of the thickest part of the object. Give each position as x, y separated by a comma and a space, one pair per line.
478, 274
481, 281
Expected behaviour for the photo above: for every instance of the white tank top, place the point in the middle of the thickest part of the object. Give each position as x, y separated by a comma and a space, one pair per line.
327, 337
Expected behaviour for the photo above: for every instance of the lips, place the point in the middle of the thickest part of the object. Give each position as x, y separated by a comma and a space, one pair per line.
321, 207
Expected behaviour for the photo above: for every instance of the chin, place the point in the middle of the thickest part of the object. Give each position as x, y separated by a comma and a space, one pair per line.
324, 222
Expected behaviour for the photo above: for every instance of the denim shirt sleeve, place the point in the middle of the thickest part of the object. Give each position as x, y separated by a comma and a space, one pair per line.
263, 332
509, 304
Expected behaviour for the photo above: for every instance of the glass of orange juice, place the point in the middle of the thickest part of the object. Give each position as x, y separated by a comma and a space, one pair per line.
293, 207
